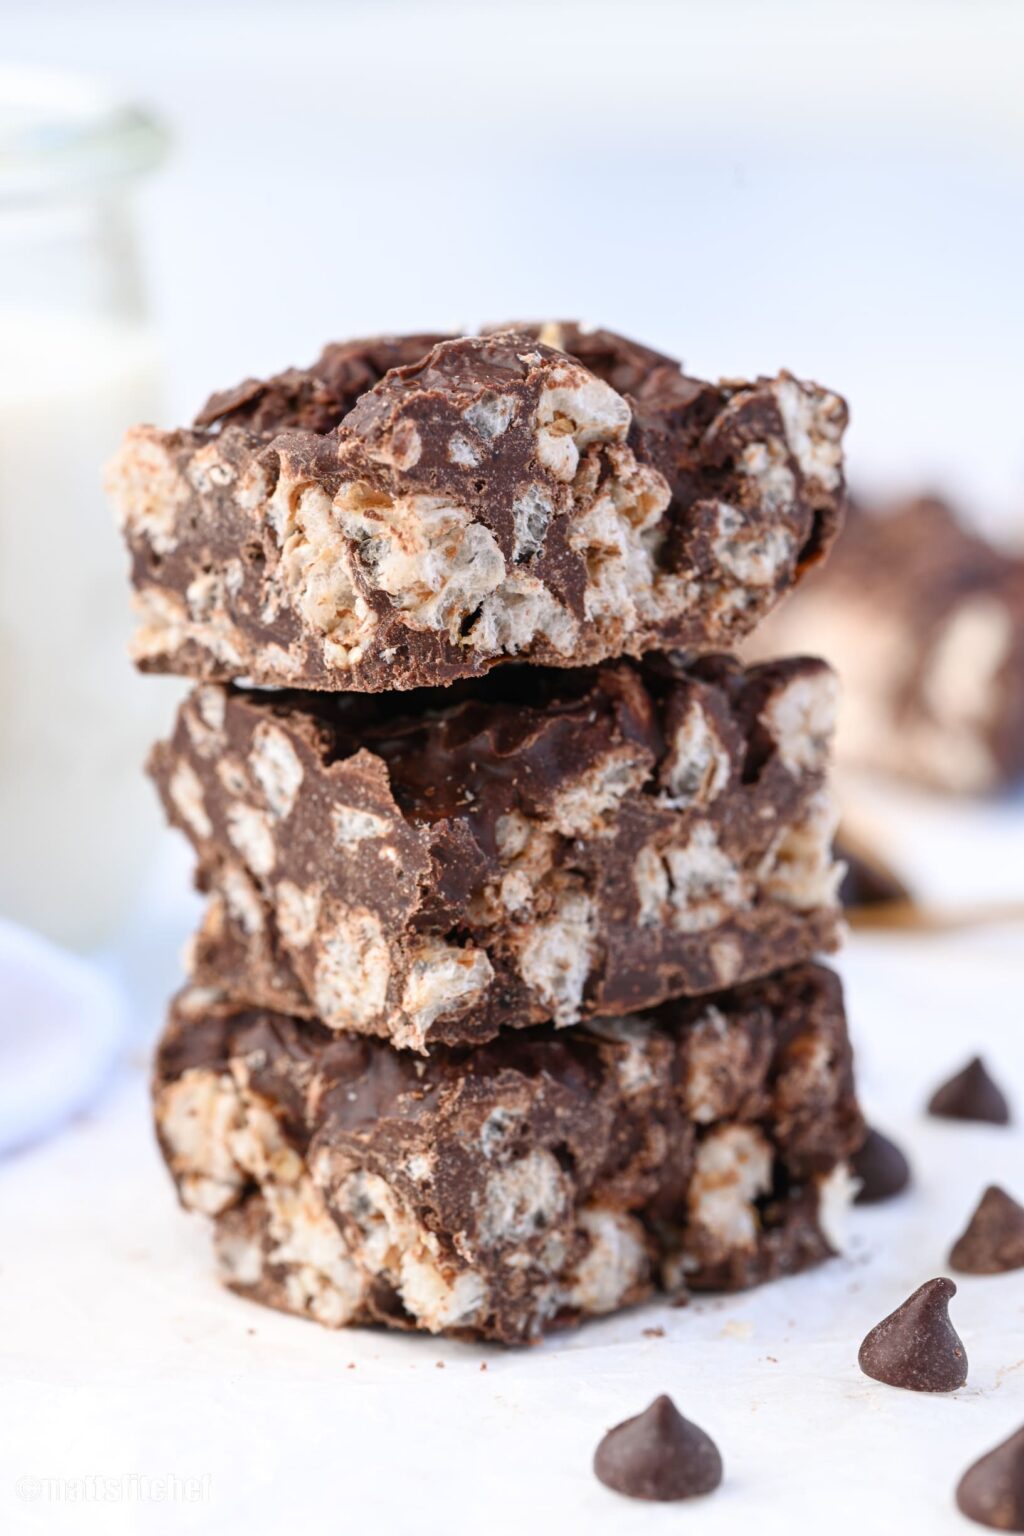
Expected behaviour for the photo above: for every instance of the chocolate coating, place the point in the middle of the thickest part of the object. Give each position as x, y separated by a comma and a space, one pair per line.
881, 1168
658, 1455
992, 1490
993, 1240
971, 1095
491, 498
314, 399
541, 844
916, 1347
521, 1185
670, 412
628, 366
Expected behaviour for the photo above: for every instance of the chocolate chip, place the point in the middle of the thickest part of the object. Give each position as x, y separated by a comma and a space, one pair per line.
882, 1169
868, 881
658, 1455
992, 1491
970, 1095
916, 1346
993, 1240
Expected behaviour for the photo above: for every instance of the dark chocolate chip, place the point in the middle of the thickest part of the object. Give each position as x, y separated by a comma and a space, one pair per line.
868, 882
993, 1240
658, 1455
992, 1491
882, 1169
916, 1346
970, 1095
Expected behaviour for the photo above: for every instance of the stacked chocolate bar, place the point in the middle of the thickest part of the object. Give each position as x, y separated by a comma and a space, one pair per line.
504, 1009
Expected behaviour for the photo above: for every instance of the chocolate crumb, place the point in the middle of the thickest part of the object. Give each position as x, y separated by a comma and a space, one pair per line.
992, 1490
993, 1241
881, 1168
483, 1365
654, 1333
658, 1455
970, 1095
439, 1365
917, 1347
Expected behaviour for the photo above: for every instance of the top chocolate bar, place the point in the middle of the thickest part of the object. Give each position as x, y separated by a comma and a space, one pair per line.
412, 510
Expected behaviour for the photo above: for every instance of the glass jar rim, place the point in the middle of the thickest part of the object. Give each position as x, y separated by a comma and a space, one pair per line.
61, 135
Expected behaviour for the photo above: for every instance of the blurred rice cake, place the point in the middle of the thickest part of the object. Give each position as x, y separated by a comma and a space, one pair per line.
924, 622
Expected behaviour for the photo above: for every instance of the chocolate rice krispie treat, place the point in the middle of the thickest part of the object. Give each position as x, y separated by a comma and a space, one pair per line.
342, 529
537, 845
499, 1192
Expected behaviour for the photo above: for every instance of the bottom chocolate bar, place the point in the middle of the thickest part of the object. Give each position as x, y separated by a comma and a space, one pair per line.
498, 1192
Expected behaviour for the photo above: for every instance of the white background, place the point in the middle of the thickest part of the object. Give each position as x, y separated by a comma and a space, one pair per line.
835, 189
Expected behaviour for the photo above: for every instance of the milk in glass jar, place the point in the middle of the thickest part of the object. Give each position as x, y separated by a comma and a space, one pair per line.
78, 363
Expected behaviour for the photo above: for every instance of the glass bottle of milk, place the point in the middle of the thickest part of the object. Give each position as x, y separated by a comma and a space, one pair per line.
78, 363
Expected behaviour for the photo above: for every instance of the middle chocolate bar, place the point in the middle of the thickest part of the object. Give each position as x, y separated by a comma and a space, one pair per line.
538, 845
